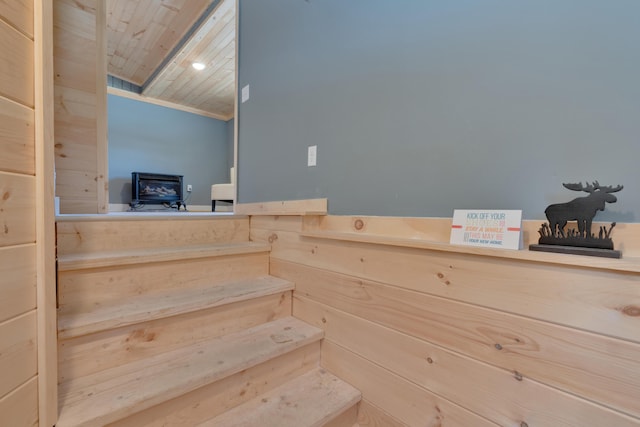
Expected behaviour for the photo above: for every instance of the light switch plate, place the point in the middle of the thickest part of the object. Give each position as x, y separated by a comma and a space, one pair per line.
312, 155
245, 93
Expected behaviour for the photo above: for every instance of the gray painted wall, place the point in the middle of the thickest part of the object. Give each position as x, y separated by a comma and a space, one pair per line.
421, 107
149, 138
230, 133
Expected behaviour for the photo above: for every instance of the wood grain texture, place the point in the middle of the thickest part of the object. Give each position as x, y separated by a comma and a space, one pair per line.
313, 399
77, 185
141, 33
124, 234
73, 73
85, 355
69, 153
439, 229
78, 206
45, 214
503, 334
410, 403
370, 415
19, 14
16, 75
20, 407
102, 157
80, 290
159, 255
432, 229
17, 138
431, 235
277, 223
601, 301
146, 383
289, 207
476, 386
589, 365
160, 305
149, 44
77, 104
212, 44
626, 264
17, 280
223, 395
348, 418
17, 209
18, 351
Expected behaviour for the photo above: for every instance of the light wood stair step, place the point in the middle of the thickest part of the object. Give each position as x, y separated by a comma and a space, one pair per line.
163, 254
113, 394
311, 400
166, 304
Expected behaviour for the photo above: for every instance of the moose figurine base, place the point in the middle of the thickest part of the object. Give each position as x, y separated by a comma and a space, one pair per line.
555, 238
576, 250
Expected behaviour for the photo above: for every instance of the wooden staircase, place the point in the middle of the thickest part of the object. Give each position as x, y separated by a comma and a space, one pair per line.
176, 322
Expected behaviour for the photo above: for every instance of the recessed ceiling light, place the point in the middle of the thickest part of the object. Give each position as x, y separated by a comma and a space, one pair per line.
198, 66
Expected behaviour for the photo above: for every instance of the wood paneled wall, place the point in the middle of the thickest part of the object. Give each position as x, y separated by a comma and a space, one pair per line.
435, 337
80, 105
18, 331
26, 215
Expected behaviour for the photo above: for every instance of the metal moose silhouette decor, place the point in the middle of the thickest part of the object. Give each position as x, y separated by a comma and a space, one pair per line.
554, 237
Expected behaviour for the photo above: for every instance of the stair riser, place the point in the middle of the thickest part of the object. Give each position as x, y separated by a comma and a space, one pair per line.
81, 291
115, 394
347, 419
95, 352
146, 232
199, 405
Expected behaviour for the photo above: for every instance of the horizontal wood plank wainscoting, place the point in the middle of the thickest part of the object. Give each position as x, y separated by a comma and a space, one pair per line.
436, 334
175, 321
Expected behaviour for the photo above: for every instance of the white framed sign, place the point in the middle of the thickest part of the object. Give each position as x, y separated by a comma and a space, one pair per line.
487, 228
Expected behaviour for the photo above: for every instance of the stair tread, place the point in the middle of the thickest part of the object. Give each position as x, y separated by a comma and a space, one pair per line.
162, 254
165, 304
115, 393
311, 400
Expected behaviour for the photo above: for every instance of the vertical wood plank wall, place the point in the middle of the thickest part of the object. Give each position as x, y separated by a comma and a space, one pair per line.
18, 291
80, 106
443, 338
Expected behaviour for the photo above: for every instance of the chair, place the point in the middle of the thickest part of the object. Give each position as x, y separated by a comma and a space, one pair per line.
223, 192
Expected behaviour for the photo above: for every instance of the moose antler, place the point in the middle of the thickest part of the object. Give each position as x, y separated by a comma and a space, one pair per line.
590, 188
611, 189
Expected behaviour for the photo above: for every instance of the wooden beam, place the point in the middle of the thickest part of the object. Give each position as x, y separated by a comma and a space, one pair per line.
45, 215
136, 97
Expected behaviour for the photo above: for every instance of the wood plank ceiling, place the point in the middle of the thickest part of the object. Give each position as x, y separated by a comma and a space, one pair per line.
153, 43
